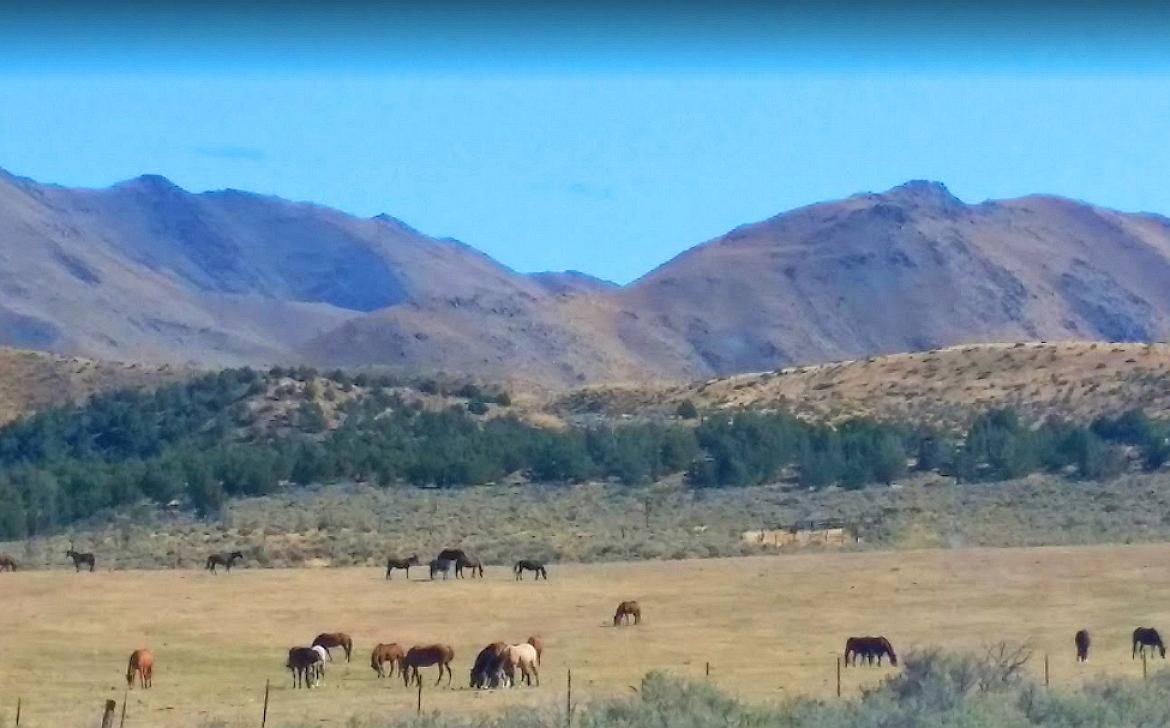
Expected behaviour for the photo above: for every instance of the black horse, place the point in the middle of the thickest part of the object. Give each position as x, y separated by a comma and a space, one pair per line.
224, 560
1144, 637
80, 559
869, 649
488, 670
393, 563
526, 565
475, 565
305, 665
1081, 639
441, 566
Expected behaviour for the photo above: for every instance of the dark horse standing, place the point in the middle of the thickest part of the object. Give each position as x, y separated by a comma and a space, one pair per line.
869, 649
1081, 639
461, 560
224, 560
1144, 637
79, 559
303, 663
7, 563
525, 565
405, 564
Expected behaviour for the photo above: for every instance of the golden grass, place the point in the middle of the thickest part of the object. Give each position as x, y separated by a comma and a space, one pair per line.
770, 627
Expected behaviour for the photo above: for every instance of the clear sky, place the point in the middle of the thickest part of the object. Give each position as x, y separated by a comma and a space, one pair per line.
604, 140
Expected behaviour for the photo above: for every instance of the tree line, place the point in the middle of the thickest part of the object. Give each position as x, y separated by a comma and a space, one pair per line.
194, 443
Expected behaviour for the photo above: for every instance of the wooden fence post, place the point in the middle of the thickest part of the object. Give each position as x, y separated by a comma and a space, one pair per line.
838, 676
569, 699
125, 699
18, 713
108, 714
708, 671
264, 715
1045, 669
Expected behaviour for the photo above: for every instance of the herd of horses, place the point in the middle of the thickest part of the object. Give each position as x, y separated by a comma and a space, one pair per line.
455, 561
497, 665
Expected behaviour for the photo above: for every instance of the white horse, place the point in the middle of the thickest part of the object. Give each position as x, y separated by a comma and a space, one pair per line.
521, 656
319, 668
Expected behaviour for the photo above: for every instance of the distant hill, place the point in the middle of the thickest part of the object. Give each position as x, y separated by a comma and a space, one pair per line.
146, 271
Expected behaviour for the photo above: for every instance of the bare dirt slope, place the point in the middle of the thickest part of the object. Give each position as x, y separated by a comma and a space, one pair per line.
32, 380
944, 386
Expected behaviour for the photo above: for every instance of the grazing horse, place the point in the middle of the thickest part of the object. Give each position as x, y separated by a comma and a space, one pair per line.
625, 610
79, 559
7, 563
521, 656
329, 640
1144, 637
141, 662
319, 668
384, 655
869, 649
525, 565
488, 670
224, 560
1081, 639
405, 564
538, 645
441, 566
425, 656
475, 565
302, 663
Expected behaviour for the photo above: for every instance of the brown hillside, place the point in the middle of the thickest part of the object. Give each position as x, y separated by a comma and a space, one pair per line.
1070, 379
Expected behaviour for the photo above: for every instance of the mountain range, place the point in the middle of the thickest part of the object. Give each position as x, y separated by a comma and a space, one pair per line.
146, 271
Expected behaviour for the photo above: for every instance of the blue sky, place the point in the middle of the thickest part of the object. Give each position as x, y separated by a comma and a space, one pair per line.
602, 145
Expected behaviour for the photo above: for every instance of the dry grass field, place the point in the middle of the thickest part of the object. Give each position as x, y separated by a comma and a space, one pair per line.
769, 626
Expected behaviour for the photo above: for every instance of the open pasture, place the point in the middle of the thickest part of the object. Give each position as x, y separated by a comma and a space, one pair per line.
769, 626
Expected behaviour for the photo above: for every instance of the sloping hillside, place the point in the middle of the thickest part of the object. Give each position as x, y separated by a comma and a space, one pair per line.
942, 387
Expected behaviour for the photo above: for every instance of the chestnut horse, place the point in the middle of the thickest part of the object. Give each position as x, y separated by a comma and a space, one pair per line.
625, 610
7, 563
537, 644
1081, 640
425, 656
384, 654
141, 662
405, 564
330, 640
488, 670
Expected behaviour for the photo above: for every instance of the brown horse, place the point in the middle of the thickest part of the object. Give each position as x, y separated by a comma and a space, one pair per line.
474, 564
384, 654
141, 662
1081, 640
7, 563
425, 656
330, 640
405, 564
303, 663
625, 610
538, 644
869, 649
488, 670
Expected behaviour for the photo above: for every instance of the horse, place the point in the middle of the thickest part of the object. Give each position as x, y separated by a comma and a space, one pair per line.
393, 563
7, 563
488, 670
329, 640
79, 559
319, 668
1144, 637
475, 565
384, 654
224, 560
452, 555
537, 644
425, 656
141, 662
525, 565
442, 566
869, 649
625, 610
521, 656
302, 663
1081, 639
